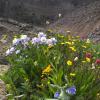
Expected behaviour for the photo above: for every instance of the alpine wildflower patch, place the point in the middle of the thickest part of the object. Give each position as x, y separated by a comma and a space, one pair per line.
52, 66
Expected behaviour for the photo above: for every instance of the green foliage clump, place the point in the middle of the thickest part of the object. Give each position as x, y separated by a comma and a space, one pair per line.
44, 65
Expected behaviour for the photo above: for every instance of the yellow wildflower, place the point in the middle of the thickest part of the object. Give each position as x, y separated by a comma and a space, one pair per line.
47, 69
72, 48
88, 59
69, 63
68, 43
72, 74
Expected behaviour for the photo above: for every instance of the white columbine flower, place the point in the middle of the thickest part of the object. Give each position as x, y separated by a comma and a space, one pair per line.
16, 41
43, 40
24, 39
35, 40
53, 41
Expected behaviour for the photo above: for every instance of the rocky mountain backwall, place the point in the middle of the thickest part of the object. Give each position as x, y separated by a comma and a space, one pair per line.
37, 11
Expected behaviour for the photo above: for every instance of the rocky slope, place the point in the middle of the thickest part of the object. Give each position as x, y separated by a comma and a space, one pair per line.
84, 19
33, 11
77, 15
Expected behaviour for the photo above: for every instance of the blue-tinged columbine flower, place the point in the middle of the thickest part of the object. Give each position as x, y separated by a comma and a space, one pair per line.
35, 40
71, 90
53, 41
12, 49
25, 41
41, 34
16, 41
56, 95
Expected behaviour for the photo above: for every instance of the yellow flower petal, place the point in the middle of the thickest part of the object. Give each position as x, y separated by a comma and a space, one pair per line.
47, 69
72, 74
88, 59
69, 63
68, 43
72, 48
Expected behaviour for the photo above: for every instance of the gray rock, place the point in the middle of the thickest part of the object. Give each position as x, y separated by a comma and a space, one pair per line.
3, 61
2, 91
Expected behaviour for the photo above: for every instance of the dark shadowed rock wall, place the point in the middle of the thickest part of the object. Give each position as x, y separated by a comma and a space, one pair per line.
37, 11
